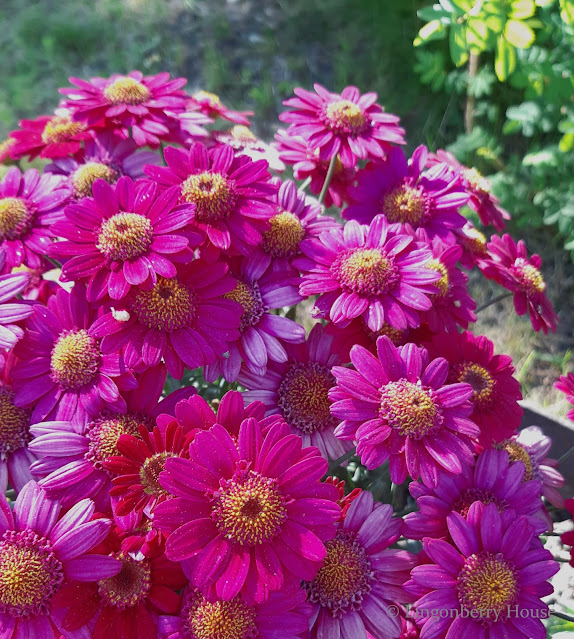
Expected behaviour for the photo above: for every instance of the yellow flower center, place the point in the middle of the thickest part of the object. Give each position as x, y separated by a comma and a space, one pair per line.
243, 135
249, 296
212, 193
477, 182
61, 129
478, 377
167, 306
344, 116
410, 409
125, 236
365, 271
529, 276
127, 91
406, 204
86, 174
74, 360
14, 424
465, 501
442, 284
474, 241
104, 433
15, 217
233, 619
149, 474
284, 236
212, 99
516, 452
130, 586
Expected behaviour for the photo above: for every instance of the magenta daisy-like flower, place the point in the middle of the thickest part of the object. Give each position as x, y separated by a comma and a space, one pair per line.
293, 149
245, 142
49, 136
284, 614
105, 156
482, 200
262, 332
399, 406
252, 514
40, 551
493, 480
186, 320
123, 237
60, 371
565, 384
12, 311
406, 194
368, 271
452, 306
349, 125
6, 147
30, 204
492, 571
211, 105
361, 577
495, 393
298, 390
473, 244
147, 104
232, 195
511, 267
531, 447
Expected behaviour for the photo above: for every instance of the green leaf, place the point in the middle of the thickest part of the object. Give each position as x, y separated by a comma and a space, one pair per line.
464, 5
457, 43
434, 30
477, 34
505, 61
567, 11
522, 9
566, 143
436, 12
519, 34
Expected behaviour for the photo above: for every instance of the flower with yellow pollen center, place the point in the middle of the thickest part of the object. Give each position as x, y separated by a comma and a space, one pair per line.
212, 193
487, 581
410, 409
344, 116
474, 241
249, 296
211, 98
86, 174
243, 135
166, 307
396, 335
443, 283
149, 474
406, 204
61, 129
15, 217
104, 433
529, 276
14, 424
74, 360
30, 573
130, 586
465, 501
127, 91
478, 377
477, 182
249, 509
284, 236
5, 146
125, 236
365, 271
304, 397
233, 619
344, 578
516, 452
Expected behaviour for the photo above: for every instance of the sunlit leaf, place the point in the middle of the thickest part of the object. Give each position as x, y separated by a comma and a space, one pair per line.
434, 30
519, 34
505, 61
522, 9
476, 34
457, 43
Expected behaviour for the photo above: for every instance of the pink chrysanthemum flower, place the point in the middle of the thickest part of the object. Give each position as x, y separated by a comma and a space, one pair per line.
123, 237
349, 125
211, 105
231, 195
185, 320
147, 104
478, 187
494, 570
251, 514
399, 407
29, 204
261, 332
344, 501
360, 576
406, 194
128, 604
247, 143
511, 267
493, 480
370, 272
294, 150
106, 156
6, 147
12, 311
495, 393
284, 614
452, 306
60, 371
298, 390
531, 447
49, 136
473, 244
40, 551
565, 384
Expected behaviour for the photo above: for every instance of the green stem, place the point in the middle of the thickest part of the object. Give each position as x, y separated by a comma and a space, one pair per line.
562, 615
566, 455
328, 178
305, 184
343, 458
494, 300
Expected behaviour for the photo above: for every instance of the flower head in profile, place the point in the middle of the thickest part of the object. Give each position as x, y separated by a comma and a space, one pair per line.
512, 268
496, 392
360, 577
298, 390
147, 104
231, 195
407, 194
245, 142
248, 514
349, 125
12, 311
473, 244
210, 104
30, 204
123, 238
399, 406
492, 564
371, 272
41, 550
565, 384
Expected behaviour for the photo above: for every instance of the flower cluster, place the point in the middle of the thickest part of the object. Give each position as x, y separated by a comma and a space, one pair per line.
177, 430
